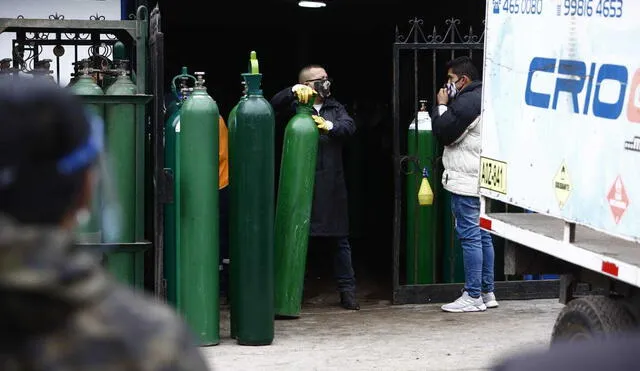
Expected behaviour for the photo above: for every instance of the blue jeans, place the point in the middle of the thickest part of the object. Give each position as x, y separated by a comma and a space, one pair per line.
477, 245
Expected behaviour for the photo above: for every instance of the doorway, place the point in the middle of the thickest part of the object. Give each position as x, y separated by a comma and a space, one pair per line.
354, 40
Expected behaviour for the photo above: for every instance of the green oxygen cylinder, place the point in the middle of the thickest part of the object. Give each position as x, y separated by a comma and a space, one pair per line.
293, 210
42, 69
6, 71
120, 127
75, 74
121, 146
421, 220
85, 85
171, 259
119, 53
253, 209
233, 204
198, 213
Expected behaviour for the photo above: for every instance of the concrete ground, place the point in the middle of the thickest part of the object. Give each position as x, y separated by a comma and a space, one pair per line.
385, 337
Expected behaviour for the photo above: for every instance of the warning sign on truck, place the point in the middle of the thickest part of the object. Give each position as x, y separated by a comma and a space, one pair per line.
562, 185
618, 199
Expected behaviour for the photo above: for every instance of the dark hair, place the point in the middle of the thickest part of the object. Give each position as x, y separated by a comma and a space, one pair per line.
40, 123
464, 66
307, 68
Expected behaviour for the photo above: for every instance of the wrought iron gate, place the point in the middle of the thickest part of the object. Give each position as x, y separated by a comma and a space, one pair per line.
434, 50
156, 51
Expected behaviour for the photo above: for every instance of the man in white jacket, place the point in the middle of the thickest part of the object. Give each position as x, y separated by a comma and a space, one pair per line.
457, 126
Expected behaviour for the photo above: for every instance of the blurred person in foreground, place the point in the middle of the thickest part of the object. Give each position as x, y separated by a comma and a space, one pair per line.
59, 308
602, 353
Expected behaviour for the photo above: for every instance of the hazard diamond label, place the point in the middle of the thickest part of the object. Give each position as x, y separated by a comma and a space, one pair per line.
618, 199
562, 185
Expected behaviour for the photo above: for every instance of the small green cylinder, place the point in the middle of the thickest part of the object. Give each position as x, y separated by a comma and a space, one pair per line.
293, 210
119, 53
84, 85
171, 258
253, 228
421, 220
198, 214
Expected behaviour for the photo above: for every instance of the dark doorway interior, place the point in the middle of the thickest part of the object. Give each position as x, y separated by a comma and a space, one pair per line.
353, 39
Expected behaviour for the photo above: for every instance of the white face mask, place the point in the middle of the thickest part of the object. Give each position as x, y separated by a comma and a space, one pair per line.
452, 90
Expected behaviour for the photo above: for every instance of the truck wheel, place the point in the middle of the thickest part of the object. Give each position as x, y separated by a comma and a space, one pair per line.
590, 317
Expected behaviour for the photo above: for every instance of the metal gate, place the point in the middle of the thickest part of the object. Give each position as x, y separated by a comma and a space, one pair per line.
432, 50
156, 51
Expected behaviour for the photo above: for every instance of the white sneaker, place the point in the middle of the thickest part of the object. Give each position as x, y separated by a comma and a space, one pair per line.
489, 300
465, 303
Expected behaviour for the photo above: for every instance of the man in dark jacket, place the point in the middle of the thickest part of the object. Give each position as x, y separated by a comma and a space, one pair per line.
60, 309
457, 125
329, 214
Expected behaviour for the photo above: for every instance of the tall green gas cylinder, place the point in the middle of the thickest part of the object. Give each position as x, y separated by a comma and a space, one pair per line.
121, 146
120, 127
233, 202
293, 210
85, 85
421, 220
252, 232
172, 123
198, 213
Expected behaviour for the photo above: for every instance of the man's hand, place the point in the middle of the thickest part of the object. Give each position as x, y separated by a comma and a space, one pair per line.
323, 124
443, 96
303, 93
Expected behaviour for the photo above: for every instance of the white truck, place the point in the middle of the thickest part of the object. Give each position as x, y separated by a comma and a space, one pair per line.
561, 139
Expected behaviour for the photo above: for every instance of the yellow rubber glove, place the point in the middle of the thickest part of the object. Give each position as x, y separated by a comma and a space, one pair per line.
323, 124
303, 92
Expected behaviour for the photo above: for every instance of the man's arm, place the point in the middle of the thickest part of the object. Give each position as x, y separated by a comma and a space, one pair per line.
343, 125
449, 125
283, 100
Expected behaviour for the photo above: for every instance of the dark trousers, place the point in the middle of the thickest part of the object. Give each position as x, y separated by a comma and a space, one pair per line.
342, 267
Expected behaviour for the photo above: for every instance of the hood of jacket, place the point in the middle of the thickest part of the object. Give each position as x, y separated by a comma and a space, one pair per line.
44, 277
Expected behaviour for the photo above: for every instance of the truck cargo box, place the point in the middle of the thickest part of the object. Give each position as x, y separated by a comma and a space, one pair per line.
561, 110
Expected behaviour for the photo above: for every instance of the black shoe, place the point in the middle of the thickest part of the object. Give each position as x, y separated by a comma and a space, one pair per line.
348, 300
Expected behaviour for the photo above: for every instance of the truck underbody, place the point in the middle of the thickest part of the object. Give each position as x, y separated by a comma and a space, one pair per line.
607, 268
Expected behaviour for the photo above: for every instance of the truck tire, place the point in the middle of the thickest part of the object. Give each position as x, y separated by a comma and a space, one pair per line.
591, 317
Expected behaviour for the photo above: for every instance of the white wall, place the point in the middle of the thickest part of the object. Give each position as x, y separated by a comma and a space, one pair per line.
71, 9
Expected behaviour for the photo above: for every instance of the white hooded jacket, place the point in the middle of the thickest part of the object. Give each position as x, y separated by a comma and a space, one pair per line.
458, 127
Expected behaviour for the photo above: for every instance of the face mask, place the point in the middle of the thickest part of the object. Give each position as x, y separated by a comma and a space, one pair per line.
323, 87
452, 90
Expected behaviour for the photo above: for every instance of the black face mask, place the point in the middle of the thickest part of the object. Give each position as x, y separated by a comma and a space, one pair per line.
323, 87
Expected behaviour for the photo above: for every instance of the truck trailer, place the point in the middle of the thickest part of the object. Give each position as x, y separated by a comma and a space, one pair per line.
561, 141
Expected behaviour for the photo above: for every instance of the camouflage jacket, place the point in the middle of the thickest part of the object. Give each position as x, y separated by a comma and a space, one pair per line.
60, 311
